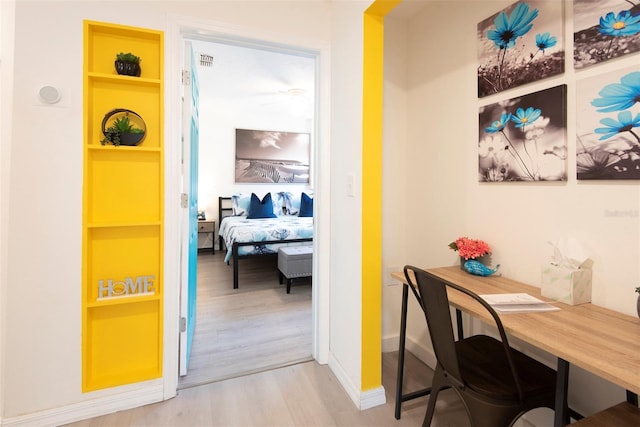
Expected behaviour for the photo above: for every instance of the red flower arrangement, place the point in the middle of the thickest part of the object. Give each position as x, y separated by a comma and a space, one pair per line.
469, 248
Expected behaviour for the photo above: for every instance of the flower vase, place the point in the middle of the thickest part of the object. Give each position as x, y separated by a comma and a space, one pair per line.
484, 260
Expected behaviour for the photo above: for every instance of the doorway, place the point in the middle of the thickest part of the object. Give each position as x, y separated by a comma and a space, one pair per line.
255, 86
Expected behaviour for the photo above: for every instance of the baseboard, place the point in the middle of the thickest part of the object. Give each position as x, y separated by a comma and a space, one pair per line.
362, 399
89, 408
422, 352
418, 349
344, 380
372, 398
390, 344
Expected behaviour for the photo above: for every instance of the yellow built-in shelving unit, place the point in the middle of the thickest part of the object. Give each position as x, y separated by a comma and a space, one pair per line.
123, 198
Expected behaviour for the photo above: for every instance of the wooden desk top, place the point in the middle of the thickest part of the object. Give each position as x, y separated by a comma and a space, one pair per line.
599, 340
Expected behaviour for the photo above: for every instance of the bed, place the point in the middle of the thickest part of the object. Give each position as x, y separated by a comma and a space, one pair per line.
244, 236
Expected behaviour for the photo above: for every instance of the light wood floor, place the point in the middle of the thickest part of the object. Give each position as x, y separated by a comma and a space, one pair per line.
305, 394
250, 329
296, 394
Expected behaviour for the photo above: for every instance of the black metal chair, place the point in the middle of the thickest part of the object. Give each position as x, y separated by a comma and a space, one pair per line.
496, 383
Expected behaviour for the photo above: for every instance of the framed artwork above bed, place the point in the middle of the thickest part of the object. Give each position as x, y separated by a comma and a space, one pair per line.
264, 156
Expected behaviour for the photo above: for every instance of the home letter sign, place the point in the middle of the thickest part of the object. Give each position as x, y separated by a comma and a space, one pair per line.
109, 288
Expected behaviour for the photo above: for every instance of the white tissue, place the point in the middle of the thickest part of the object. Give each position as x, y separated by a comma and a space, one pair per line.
569, 253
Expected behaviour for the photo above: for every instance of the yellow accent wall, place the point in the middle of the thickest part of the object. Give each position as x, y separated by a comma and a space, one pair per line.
373, 57
122, 218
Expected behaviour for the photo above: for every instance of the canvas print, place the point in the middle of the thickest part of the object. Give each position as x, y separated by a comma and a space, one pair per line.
608, 125
521, 44
524, 138
272, 156
604, 29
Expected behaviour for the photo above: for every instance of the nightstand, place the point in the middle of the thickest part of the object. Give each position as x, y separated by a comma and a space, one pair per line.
209, 228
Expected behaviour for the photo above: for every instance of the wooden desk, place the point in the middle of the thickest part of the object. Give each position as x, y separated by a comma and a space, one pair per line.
601, 341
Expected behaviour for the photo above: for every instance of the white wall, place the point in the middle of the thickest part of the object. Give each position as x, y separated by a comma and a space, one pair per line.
217, 155
444, 199
219, 117
394, 191
6, 92
346, 159
42, 321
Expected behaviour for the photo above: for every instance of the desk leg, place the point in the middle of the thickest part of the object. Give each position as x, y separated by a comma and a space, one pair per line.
401, 352
459, 324
561, 417
632, 398
403, 333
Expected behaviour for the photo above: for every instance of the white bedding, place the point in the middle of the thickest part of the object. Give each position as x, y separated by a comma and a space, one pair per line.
284, 227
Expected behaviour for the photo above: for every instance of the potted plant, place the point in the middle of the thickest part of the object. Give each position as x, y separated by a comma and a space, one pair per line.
638, 302
122, 130
128, 64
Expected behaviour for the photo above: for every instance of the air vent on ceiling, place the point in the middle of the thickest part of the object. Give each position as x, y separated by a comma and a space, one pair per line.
206, 60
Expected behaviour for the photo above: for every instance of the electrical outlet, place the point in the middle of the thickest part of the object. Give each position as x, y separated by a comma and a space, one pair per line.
386, 276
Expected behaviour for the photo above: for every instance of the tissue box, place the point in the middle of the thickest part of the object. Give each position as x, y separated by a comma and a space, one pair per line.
570, 286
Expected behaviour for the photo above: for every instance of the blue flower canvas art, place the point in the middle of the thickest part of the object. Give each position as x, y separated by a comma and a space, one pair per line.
524, 138
608, 126
604, 30
519, 45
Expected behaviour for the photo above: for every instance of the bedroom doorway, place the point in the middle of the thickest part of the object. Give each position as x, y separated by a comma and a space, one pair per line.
269, 100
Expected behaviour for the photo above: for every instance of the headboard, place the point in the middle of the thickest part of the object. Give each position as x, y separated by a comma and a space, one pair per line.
225, 209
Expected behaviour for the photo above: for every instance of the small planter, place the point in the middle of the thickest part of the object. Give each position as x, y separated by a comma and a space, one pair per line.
123, 130
128, 68
131, 138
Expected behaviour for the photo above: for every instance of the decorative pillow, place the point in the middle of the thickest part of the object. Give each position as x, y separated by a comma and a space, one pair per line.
240, 204
306, 205
291, 203
261, 208
278, 202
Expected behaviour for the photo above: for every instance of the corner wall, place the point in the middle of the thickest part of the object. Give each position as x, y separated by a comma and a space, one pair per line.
444, 199
346, 161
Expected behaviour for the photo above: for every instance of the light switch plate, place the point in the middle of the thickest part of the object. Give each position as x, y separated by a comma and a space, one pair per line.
351, 185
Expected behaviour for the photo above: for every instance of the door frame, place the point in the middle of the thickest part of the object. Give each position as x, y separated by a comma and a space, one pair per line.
179, 29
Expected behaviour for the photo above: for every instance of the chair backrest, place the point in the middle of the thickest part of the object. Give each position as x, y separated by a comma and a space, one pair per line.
435, 304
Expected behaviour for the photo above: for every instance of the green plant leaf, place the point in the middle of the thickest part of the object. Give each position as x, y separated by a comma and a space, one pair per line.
128, 57
123, 124
119, 126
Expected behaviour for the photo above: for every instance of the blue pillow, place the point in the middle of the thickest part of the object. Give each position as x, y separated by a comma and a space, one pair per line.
306, 205
261, 208
240, 204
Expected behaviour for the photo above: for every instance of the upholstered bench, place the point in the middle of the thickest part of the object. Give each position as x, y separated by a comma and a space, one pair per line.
295, 262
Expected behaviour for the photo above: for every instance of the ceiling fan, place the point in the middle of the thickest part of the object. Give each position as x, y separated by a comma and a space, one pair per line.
293, 94
295, 99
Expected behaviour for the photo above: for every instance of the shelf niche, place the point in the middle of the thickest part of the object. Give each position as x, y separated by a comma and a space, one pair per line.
123, 200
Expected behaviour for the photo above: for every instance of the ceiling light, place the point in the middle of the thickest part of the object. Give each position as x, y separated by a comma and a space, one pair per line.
296, 91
